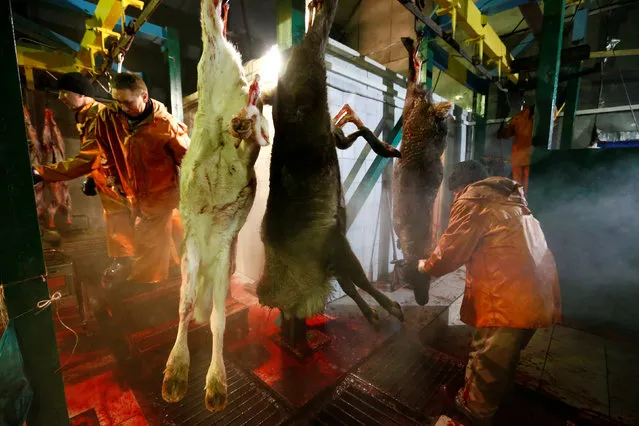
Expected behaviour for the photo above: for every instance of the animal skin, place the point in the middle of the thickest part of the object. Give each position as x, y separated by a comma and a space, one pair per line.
304, 227
217, 187
60, 196
417, 175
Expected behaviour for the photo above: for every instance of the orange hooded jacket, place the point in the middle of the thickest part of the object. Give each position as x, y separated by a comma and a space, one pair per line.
521, 127
116, 211
511, 276
145, 157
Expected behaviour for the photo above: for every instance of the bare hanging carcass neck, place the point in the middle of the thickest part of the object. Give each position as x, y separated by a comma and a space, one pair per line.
418, 175
304, 228
217, 189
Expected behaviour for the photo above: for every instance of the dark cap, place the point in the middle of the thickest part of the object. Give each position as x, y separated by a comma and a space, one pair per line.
465, 173
76, 83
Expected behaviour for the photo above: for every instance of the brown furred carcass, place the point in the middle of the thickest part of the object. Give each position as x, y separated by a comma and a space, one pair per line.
217, 189
59, 196
304, 227
417, 175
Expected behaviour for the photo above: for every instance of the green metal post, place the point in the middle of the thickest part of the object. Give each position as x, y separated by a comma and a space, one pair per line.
548, 72
572, 90
570, 110
385, 227
480, 107
22, 269
175, 71
290, 23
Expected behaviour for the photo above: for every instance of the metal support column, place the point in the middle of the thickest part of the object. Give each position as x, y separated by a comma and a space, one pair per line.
385, 227
172, 47
480, 109
455, 147
548, 72
572, 90
290, 23
22, 269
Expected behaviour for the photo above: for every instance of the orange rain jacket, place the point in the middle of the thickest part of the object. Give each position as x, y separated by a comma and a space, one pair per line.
144, 158
116, 211
511, 276
521, 127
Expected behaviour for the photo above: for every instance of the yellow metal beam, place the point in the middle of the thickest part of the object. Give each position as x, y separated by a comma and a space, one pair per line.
611, 53
100, 26
465, 14
47, 60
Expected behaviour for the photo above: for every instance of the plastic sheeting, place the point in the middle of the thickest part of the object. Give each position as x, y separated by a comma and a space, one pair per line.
15, 392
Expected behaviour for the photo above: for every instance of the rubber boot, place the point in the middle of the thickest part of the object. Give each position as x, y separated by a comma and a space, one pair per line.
116, 273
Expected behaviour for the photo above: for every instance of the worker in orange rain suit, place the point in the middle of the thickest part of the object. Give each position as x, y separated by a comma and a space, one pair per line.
521, 127
76, 92
511, 282
143, 146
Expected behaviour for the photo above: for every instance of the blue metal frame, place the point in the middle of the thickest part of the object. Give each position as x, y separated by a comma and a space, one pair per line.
356, 202
580, 25
148, 31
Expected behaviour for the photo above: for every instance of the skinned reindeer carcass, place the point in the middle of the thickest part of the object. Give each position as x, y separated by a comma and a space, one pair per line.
304, 227
59, 191
38, 155
217, 189
417, 175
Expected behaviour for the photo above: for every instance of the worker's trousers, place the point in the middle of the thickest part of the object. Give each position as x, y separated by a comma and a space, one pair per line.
490, 371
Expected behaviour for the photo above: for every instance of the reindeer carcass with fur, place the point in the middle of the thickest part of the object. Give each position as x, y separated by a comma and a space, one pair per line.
304, 228
418, 174
217, 189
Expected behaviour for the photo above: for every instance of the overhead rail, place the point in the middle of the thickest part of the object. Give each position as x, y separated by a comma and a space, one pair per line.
438, 31
466, 14
101, 45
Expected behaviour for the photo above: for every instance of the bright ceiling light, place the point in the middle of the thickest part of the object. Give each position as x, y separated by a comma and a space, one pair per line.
458, 97
271, 65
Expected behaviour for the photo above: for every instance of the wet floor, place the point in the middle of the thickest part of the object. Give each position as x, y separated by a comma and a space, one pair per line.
354, 375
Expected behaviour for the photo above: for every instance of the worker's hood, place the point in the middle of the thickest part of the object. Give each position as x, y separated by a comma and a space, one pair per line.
159, 112
495, 189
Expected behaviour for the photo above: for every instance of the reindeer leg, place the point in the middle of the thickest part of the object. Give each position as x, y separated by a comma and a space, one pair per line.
348, 265
347, 115
351, 291
216, 391
176, 374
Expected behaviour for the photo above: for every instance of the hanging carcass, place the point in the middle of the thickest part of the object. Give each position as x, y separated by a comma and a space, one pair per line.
417, 175
59, 196
304, 228
217, 189
38, 155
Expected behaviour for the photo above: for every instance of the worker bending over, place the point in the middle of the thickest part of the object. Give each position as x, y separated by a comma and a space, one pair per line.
521, 127
76, 92
143, 146
511, 282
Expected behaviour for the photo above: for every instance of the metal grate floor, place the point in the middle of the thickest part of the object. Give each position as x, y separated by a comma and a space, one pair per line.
411, 374
248, 404
357, 403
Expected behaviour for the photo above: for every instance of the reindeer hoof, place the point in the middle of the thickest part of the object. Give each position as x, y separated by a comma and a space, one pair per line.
175, 384
373, 318
215, 395
396, 311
